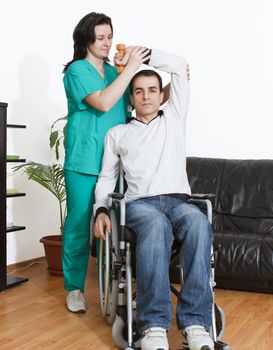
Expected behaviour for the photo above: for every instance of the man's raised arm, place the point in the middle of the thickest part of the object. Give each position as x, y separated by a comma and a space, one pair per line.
179, 85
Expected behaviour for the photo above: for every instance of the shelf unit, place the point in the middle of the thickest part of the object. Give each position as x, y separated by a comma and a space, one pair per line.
18, 194
15, 161
6, 281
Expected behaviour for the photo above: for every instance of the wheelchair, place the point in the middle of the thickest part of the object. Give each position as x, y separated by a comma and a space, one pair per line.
117, 278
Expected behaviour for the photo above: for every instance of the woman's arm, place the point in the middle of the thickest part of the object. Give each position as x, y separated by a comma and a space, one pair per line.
104, 100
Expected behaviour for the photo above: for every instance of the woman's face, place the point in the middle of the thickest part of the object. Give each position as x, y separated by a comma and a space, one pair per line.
102, 45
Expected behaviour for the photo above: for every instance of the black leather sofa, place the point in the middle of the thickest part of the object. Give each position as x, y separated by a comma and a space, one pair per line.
242, 219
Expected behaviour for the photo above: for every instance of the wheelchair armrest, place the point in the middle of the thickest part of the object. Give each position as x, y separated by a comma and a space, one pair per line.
209, 196
203, 200
116, 196
200, 198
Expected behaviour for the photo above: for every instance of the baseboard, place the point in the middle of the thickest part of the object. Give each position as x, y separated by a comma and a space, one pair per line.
25, 263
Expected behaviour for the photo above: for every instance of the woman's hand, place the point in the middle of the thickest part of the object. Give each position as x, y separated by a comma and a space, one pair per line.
134, 56
121, 60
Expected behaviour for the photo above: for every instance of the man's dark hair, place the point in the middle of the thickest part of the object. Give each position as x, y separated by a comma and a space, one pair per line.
146, 73
84, 34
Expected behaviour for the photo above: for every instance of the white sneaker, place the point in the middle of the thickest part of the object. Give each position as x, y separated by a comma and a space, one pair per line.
155, 338
75, 301
198, 338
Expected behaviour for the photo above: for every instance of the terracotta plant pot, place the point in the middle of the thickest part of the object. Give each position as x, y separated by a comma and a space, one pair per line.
53, 253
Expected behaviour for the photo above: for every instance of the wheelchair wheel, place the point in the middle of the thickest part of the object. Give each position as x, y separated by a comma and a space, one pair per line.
220, 321
119, 333
108, 284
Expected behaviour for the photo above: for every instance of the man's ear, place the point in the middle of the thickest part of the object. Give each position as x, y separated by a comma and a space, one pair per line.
132, 100
161, 97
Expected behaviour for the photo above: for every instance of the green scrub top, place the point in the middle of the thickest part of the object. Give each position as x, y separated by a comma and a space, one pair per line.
86, 126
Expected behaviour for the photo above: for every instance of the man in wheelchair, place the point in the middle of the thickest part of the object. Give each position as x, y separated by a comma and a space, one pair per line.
151, 149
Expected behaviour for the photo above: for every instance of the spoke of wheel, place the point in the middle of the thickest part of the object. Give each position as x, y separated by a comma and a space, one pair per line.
106, 274
101, 287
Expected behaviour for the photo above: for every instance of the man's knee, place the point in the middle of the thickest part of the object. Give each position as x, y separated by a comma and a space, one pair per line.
155, 227
194, 223
193, 214
200, 231
142, 215
150, 225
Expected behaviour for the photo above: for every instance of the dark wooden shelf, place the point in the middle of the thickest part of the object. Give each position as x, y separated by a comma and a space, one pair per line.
17, 126
15, 228
6, 280
15, 160
14, 280
18, 194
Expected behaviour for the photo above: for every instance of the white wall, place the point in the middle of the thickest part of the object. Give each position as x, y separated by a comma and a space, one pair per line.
227, 43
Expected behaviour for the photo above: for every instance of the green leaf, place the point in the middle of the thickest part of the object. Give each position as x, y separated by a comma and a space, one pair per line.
50, 177
53, 138
56, 121
57, 149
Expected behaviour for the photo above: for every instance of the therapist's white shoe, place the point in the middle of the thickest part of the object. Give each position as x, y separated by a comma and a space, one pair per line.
75, 301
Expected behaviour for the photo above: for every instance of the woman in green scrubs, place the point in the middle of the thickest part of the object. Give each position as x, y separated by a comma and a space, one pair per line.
98, 99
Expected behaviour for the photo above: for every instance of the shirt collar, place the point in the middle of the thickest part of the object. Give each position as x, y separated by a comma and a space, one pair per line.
129, 119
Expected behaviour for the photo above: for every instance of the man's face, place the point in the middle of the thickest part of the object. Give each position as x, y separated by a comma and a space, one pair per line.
146, 96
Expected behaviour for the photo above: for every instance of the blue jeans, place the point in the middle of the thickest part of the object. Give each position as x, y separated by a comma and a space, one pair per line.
157, 221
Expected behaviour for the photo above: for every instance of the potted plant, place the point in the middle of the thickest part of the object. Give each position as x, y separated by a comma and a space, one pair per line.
51, 177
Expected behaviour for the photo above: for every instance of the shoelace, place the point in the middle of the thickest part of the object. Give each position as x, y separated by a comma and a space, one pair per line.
197, 332
155, 334
76, 296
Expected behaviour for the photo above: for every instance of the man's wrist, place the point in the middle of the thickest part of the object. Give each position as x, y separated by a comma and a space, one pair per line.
101, 210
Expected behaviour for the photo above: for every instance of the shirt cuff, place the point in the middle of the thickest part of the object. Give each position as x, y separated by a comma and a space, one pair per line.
101, 210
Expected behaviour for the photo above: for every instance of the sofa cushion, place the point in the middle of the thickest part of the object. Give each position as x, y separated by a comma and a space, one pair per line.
244, 261
244, 255
243, 189
232, 223
246, 188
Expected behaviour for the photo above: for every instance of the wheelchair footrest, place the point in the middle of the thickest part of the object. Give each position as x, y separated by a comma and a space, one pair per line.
218, 345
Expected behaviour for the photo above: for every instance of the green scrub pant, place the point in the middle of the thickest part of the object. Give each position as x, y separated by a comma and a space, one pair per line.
76, 239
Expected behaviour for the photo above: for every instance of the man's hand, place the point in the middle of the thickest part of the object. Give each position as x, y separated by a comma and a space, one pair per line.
102, 222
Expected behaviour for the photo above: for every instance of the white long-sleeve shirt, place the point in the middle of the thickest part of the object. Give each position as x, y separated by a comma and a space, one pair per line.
153, 155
